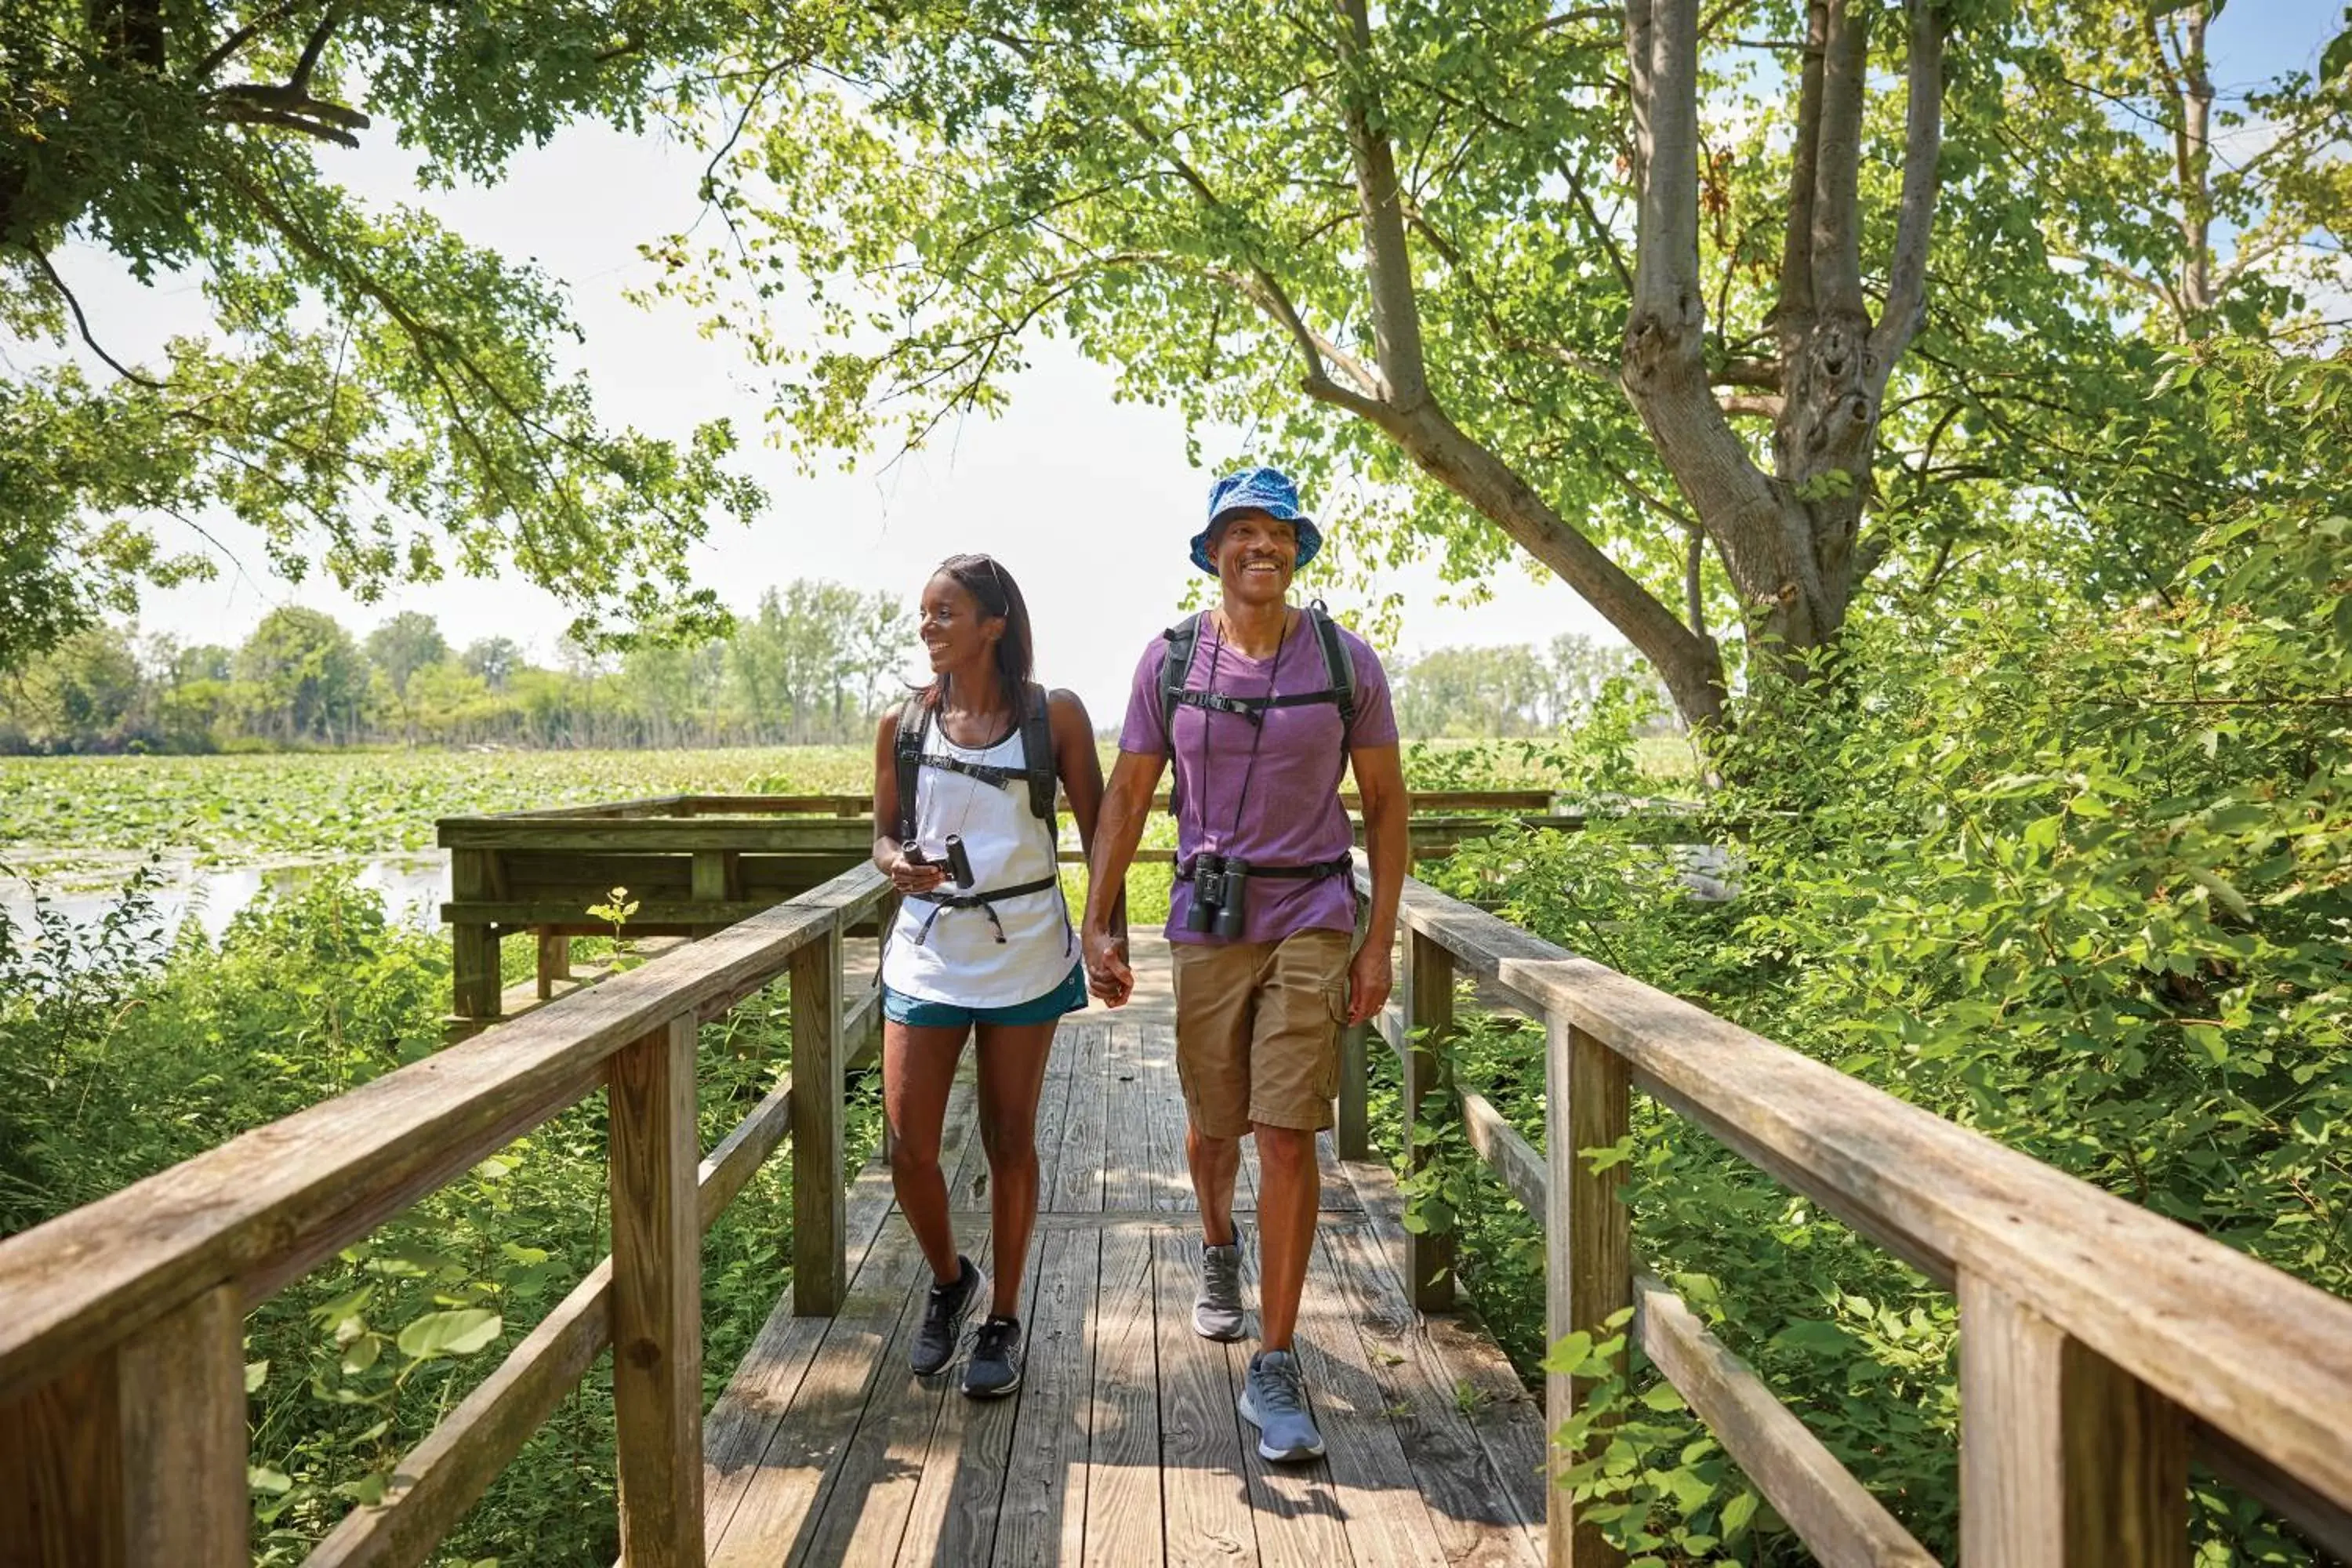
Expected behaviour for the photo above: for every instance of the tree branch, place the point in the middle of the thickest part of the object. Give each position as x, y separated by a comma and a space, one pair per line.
81, 325
1837, 227
1388, 264
1906, 282
1795, 309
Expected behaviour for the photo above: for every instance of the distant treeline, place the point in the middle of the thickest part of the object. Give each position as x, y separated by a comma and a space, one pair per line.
1492, 693
810, 664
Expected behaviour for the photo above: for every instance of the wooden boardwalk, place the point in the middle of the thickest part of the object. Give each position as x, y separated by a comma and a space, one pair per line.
1122, 1445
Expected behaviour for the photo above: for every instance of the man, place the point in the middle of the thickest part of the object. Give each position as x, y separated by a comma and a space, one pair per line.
1261, 706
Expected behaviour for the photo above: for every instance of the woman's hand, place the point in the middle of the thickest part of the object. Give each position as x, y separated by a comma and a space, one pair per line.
1107, 974
908, 876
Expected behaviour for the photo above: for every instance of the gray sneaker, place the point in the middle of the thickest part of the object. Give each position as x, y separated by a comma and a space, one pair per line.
1217, 1309
1274, 1400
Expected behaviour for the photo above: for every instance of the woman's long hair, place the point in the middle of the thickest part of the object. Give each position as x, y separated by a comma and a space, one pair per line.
992, 588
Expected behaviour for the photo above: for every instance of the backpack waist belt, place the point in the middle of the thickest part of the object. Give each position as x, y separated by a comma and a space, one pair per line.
983, 901
1338, 866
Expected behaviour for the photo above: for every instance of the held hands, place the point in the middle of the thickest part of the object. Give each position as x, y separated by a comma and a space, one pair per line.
1107, 974
1370, 977
908, 876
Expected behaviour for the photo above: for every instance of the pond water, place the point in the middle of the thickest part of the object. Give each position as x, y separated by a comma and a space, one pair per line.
414, 887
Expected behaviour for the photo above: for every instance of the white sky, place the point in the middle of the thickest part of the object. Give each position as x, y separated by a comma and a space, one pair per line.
1099, 579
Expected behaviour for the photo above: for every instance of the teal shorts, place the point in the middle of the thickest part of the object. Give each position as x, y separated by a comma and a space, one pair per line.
1069, 996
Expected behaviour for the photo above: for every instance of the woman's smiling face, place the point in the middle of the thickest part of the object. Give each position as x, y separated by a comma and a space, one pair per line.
955, 630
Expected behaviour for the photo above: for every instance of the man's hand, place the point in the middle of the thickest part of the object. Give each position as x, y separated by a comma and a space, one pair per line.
908, 876
1107, 974
1370, 978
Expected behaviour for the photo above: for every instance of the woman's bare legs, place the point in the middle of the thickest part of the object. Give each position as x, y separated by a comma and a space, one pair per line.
1011, 1074
919, 1067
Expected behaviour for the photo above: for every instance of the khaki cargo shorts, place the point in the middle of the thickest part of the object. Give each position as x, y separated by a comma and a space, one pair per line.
1257, 1030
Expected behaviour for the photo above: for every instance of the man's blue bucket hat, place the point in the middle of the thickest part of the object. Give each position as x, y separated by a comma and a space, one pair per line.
1268, 490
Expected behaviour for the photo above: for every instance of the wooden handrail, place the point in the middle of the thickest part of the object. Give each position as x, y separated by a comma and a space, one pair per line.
2175, 1338
121, 1400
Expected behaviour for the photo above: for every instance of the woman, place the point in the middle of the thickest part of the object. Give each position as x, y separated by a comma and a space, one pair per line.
964, 777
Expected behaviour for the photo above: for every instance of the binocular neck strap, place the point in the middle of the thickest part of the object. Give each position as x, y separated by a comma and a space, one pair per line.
1257, 727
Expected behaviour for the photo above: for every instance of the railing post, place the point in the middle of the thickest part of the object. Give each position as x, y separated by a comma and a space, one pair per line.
1355, 1136
474, 947
1588, 1250
657, 1298
819, 1275
135, 1458
1428, 1014
2065, 1460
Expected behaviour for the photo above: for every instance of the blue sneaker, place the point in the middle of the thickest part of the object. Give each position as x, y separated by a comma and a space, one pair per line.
1274, 1400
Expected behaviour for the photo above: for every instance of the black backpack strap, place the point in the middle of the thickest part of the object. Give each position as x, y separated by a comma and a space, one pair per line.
1183, 641
1038, 750
1339, 668
906, 752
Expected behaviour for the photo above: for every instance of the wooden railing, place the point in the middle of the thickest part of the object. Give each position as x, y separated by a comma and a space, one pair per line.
122, 1404
2102, 1347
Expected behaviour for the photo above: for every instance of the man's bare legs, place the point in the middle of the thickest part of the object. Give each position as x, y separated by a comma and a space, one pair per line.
1289, 1190
1216, 1162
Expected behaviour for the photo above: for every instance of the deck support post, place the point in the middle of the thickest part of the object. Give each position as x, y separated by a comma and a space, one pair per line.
657, 1298
1588, 1252
554, 961
1428, 1014
820, 1275
2065, 1458
1354, 1134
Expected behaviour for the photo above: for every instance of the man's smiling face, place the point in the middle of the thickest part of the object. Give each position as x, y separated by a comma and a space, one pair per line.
1255, 555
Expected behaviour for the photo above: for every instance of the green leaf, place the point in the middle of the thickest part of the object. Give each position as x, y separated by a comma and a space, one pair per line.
256, 1373
450, 1333
262, 1478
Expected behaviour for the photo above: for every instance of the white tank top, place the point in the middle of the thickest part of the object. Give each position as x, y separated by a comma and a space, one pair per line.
959, 960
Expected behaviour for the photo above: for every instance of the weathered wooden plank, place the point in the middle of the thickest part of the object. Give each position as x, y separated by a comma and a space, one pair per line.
1079, 1166
644, 806
1294, 1508
1378, 1490
1429, 1008
954, 1517
1443, 1357
1478, 1462
1170, 1176
778, 1488
1839, 1521
1588, 1254
864, 1517
657, 1299
473, 944
1512, 1158
1127, 1177
269, 1204
818, 1277
1123, 1518
185, 1500
660, 835
571, 914
1043, 1518
742, 1425
1203, 1475
2064, 1458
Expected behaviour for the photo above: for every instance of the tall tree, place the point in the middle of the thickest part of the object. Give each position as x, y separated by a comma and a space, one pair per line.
1282, 213
403, 645
308, 673
376, 395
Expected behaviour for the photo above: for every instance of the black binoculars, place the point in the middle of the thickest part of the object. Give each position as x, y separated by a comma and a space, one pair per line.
1220, 895
958, 863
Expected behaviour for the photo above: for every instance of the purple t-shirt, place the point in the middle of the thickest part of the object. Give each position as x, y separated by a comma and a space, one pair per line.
1291, 813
